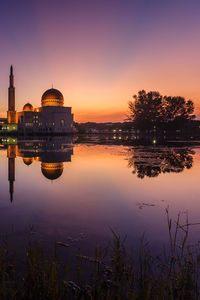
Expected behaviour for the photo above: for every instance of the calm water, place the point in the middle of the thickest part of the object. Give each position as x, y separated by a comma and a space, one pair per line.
75, 192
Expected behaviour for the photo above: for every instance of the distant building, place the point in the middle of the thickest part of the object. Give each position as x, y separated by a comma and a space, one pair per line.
51, 118
3, 121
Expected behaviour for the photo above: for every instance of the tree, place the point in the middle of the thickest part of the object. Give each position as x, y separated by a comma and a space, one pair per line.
154, 161
152, 109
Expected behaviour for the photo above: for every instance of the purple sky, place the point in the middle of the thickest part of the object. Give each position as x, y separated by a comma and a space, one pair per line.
99, 53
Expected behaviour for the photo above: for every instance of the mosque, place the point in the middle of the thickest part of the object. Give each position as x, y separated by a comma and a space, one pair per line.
52, 118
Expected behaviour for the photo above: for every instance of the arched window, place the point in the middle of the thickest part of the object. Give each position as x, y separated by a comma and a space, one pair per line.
62, 123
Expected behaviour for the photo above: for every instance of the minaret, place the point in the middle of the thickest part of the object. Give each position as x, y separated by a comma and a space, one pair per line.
11, 154
11, 100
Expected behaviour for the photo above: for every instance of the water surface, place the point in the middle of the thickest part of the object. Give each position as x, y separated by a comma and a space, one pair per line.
75, 193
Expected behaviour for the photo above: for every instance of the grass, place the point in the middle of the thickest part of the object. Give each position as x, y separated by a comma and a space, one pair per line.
110, 274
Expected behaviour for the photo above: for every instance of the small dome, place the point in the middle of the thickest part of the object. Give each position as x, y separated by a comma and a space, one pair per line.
28, 107
28, 160
52, 97
52, 170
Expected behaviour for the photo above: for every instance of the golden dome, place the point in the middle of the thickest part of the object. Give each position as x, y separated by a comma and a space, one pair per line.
52, 97
28, 160
28, 107
52, 170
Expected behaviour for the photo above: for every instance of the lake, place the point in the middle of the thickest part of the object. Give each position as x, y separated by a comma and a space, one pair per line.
76, 192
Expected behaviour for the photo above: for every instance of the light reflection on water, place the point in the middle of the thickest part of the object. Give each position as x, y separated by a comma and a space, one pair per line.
75, 192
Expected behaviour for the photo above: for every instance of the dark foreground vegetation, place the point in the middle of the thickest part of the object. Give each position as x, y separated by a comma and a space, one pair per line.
172, 275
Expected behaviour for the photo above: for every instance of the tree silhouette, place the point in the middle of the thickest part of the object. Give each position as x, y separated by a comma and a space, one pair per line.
152, 109
151, 162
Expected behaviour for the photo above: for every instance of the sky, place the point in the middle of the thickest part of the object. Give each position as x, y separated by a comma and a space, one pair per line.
99, 53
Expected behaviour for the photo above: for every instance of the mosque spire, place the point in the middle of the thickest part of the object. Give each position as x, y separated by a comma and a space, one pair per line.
11, 77
11, 70
11, 99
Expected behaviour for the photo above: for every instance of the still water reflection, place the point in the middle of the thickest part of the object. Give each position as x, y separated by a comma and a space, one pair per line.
75, 192
150, 162
52, 154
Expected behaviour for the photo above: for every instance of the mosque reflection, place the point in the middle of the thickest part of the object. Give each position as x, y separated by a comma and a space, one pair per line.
51, 152
152, 161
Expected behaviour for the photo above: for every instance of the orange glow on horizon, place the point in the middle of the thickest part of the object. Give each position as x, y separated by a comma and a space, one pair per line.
99, 116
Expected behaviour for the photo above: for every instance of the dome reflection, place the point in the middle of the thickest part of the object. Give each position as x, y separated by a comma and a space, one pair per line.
28, 160
52, 171
51, 152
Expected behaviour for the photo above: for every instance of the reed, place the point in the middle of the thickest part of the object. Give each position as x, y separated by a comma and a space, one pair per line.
111, 274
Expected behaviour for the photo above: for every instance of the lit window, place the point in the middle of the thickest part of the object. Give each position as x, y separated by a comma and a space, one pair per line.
62, 123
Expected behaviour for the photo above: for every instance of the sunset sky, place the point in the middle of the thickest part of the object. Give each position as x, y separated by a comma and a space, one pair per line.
99, 53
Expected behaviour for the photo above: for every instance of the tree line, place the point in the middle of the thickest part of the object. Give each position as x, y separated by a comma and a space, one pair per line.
150, 110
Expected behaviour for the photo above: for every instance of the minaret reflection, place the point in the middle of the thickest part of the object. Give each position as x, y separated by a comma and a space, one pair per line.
52, 152
11, 154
